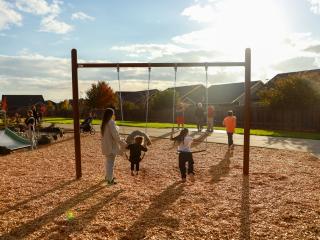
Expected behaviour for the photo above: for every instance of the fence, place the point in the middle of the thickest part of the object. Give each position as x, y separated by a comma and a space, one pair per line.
305, 120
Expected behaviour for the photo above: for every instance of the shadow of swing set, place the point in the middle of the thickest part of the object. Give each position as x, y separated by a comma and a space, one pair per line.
75, 93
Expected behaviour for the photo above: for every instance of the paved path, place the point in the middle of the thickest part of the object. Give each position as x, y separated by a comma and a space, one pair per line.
220, 136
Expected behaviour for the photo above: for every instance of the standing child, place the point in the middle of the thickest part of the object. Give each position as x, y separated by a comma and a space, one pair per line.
135, 153
230, 123
185, 154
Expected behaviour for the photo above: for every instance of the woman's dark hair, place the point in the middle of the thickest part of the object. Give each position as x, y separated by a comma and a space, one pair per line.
107, 115
180, 138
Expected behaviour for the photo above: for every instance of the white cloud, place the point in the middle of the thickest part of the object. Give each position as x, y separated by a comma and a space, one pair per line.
8, 16
199, 13
52, 24
150, 51
39, 7
315, 6
81, 16
50, 13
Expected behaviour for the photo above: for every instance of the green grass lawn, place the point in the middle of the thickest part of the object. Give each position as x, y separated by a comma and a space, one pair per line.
258, 132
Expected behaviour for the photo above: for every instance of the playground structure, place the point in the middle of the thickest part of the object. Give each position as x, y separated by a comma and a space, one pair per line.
12, 141
9, 138
75, 91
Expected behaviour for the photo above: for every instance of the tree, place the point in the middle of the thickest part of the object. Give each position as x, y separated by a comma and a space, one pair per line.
50, 106
65, 105
163, 100
100, 95
292, 92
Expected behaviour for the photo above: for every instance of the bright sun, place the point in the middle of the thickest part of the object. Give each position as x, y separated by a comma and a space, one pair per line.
238, 24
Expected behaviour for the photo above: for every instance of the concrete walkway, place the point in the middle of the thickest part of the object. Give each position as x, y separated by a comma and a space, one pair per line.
220, 136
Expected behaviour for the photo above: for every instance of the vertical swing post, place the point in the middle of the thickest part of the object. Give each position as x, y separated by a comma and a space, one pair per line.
174, 97
207, 104
147, 99
120, 96
75, 106
247, 112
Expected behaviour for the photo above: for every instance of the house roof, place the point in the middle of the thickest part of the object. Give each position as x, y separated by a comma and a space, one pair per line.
226, 93
136, 97
16, 102
193, 93
312, 76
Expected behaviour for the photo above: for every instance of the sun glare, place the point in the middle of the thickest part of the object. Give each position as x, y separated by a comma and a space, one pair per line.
258, 24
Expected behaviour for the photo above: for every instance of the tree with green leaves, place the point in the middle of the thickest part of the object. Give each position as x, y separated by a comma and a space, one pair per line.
292, 92
100, 95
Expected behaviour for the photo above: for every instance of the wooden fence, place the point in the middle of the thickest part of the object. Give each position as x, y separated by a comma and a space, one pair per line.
306, 120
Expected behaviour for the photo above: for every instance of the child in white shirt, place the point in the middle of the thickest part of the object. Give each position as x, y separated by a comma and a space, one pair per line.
185, 154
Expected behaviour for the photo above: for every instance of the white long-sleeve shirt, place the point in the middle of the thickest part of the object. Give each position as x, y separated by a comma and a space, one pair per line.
185, 145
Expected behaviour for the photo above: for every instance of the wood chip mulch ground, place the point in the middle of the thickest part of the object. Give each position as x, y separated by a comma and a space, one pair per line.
40, 198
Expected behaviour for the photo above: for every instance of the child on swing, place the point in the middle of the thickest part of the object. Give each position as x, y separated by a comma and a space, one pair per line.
135, 153
185, 154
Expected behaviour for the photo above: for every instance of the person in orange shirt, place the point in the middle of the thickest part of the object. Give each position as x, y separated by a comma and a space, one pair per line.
230, 123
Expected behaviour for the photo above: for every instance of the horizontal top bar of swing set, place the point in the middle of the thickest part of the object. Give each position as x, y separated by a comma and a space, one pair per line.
186, 64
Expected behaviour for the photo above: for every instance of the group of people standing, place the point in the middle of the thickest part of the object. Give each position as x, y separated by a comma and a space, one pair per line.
202, 117
111, 145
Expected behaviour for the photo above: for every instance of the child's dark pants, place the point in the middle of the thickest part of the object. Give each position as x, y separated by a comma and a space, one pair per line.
135, 163
230, 138
183, 158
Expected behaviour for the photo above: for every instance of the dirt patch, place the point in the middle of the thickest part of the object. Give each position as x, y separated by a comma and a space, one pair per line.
39, 198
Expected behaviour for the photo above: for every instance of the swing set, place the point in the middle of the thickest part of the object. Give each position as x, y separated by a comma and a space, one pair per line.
75, 92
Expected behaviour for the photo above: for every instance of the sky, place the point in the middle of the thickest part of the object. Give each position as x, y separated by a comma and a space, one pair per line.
36, 38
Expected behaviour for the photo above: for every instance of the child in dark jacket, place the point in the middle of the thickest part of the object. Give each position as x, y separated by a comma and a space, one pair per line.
135, 153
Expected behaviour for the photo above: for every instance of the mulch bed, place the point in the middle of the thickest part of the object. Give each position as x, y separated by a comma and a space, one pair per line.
40, 198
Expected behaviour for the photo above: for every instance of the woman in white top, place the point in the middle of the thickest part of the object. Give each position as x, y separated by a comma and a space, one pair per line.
110, 143
185, 154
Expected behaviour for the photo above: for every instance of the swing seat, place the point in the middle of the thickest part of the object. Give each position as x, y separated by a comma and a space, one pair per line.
131, 136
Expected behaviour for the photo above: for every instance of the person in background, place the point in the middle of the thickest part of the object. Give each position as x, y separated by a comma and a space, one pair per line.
180, 115
86, 124
30, 124
210, 118
110, 143
230, 122
35, 114
199, 114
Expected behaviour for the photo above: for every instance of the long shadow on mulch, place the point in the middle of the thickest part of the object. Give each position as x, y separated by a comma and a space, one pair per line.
64, 228
222, 168
245, 209
29, 227
153, 216
39, 195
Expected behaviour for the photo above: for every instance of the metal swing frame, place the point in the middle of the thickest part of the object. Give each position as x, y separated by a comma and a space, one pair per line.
75, 92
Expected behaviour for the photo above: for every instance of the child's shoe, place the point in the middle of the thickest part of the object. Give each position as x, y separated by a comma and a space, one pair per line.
132, 174
183, 180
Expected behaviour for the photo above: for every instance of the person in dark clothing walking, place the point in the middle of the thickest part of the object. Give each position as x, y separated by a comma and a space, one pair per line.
135, 154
